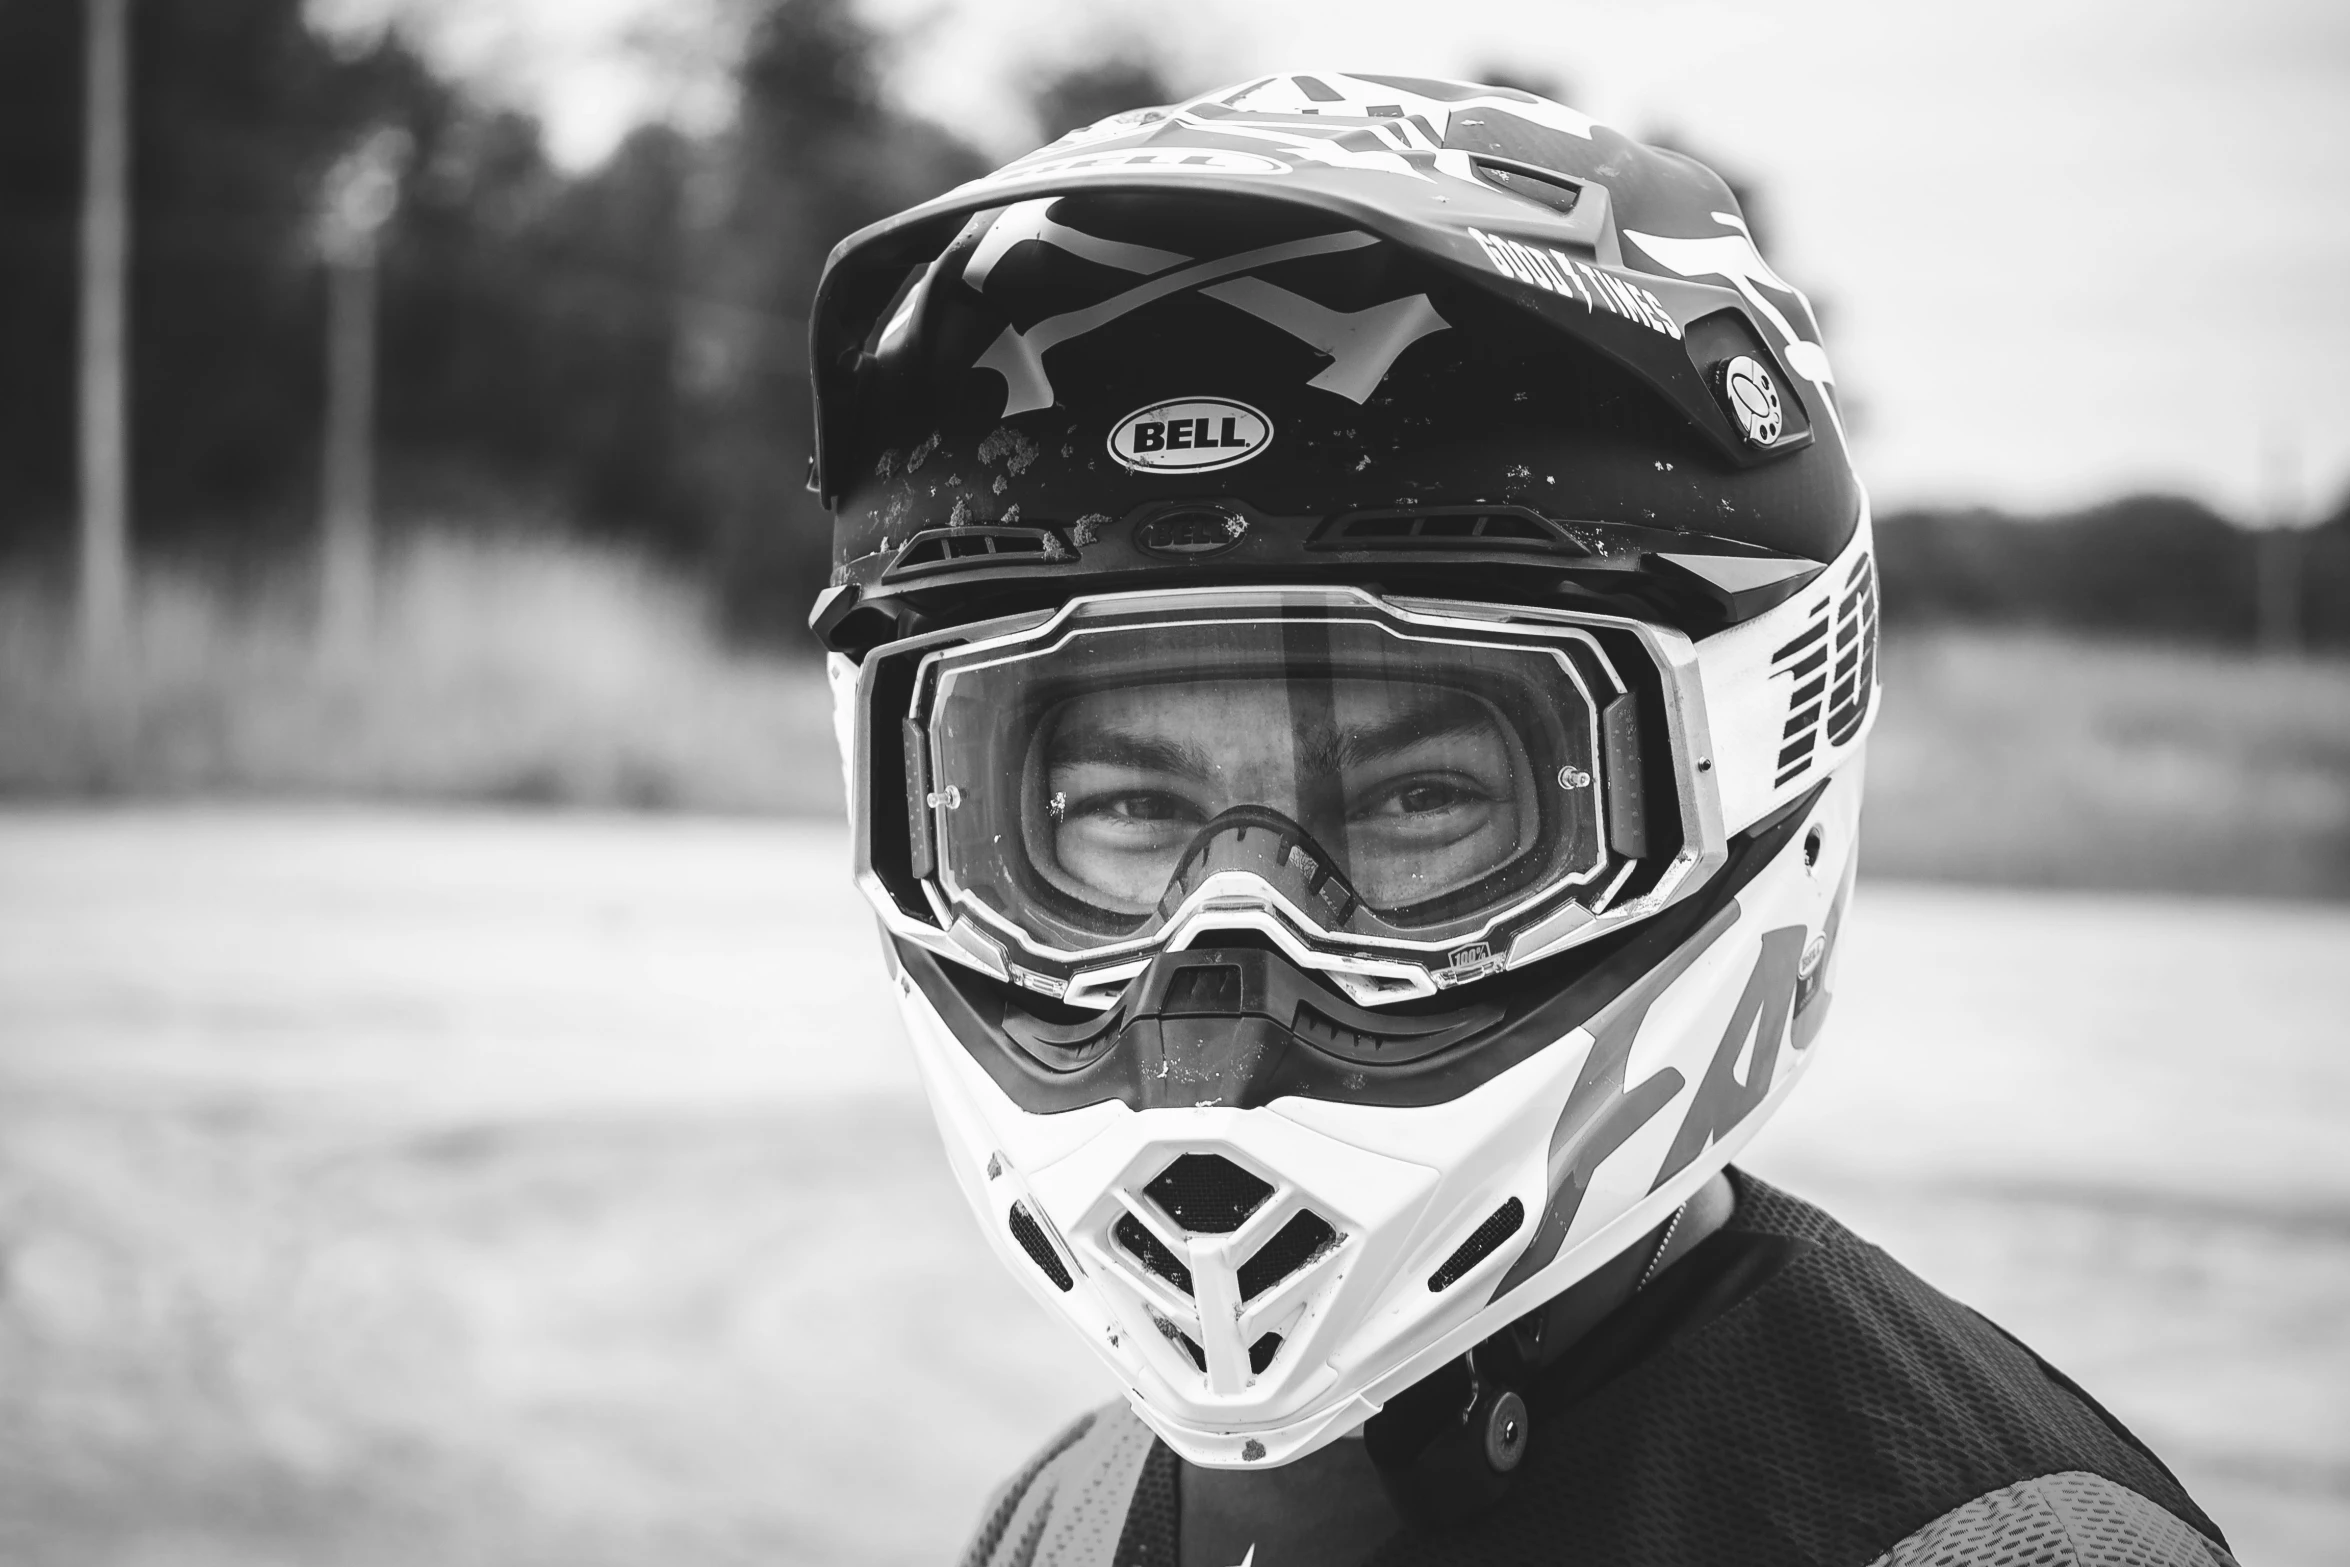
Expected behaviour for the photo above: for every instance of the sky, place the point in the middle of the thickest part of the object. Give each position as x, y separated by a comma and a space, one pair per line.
2066, 249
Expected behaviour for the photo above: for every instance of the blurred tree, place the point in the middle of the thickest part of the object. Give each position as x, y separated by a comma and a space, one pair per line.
237, 111
1526, 78
2155, 565
622, 350
1753, 204
533, 327
1078, 95
101, 371
1756, 207
816, 155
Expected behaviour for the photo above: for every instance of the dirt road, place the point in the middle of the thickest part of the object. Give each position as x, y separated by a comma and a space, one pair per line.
471, 1188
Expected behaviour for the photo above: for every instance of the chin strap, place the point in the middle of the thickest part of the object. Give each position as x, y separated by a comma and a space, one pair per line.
1448, 1446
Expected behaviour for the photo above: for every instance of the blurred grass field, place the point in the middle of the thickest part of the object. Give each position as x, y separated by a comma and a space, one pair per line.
2036, 759
525, 670
516, 670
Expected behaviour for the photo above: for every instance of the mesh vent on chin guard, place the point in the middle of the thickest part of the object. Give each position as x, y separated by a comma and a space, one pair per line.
1207, 1193
1298, 1242
1499, 1226
1151, 1252
1030, 1235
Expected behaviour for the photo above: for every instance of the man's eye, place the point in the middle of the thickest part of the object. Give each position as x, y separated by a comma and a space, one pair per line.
1149, 805
1422, 797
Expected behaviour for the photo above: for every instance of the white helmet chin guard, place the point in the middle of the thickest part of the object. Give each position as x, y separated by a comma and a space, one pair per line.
1355, 741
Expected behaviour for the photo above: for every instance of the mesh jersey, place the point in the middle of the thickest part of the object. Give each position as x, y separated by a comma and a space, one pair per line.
1820, 1407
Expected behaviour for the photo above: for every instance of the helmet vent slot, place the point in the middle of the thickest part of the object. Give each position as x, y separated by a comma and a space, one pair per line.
1151, 1252
956, 549
1207, 1193
1856, 653
1831, 666
1442, 527
1391, 1038
1261, 1353
1212, 989
1503, 1223
1803, 659
1558, 195
1304, 1238
1030, 1235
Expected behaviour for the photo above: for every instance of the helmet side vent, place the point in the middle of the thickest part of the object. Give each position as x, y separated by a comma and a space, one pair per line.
1856, 653
1445, 527
1261, 1353
1542, 188
937, 550
1831, 667
1031, 1237
1804, 661
1503, 1223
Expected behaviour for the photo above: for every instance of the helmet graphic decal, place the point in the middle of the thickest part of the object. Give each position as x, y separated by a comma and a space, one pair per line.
1362, 344
1140, 160
1811, 975
1733, 258
1395, 125
1552, 269
1033, 220
1723, 1098
1602, 1113
1829, 676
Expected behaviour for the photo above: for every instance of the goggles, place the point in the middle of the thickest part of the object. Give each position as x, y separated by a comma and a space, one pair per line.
1405, 794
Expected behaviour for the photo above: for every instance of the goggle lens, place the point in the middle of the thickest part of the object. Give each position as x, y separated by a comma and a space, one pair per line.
1381, 780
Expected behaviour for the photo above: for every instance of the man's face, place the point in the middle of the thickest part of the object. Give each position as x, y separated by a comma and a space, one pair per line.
1418, 789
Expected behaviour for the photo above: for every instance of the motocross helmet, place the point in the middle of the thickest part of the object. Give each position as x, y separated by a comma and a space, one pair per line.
1353, 634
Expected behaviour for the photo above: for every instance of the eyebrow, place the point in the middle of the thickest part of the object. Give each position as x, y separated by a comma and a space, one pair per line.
1121, 748
1428, 719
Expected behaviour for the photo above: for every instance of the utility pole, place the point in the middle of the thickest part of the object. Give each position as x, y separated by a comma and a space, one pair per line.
103, 425
361, 192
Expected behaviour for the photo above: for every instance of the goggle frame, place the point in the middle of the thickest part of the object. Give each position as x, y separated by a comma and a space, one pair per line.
1370, 969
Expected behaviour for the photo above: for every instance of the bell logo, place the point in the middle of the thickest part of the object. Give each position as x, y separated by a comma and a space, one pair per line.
1191, 435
